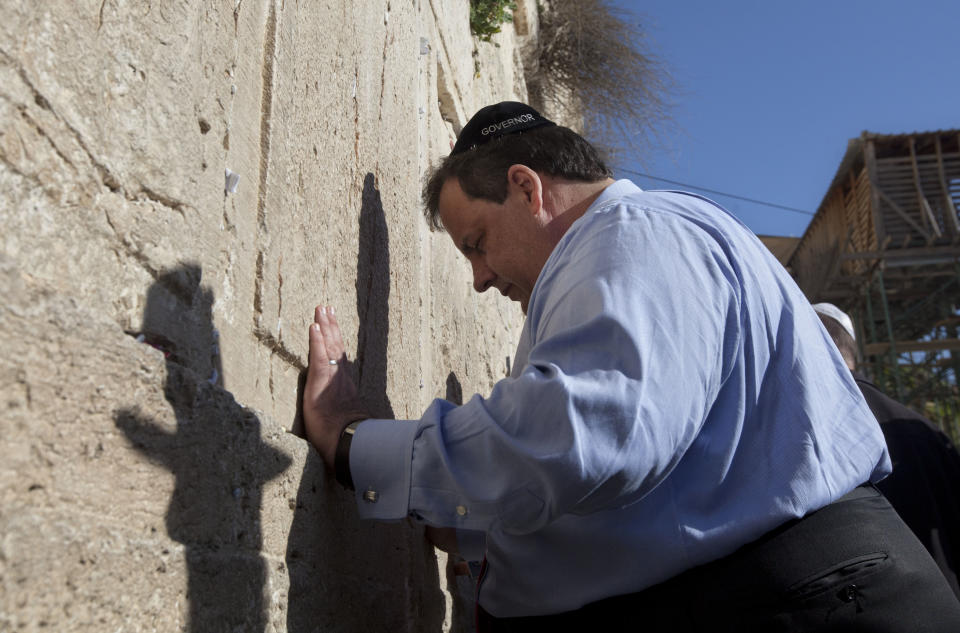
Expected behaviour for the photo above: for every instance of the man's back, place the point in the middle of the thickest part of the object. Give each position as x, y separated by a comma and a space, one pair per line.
925, 485
662, 310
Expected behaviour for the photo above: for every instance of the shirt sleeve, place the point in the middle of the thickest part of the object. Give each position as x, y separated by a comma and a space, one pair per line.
627, 350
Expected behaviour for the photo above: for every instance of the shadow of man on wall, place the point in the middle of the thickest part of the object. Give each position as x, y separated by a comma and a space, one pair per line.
216, 455
347, 574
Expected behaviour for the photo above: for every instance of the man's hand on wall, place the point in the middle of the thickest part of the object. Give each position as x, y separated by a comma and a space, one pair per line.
330, 400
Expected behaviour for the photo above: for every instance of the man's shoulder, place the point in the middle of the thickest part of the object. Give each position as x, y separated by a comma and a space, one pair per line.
635, 225
632, 209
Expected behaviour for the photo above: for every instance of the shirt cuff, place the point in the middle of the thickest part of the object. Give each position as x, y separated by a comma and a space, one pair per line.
381, 455
471, 544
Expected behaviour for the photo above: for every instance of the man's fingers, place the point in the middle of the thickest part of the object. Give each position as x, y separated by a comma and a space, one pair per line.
335, 329
331, 334
318, 350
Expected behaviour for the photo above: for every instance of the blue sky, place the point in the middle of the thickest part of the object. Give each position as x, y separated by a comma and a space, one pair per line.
769, 92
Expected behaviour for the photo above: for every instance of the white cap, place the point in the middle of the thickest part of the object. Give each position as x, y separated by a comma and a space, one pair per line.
841, 317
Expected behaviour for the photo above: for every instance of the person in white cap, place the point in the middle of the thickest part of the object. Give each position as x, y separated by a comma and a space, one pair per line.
670, 452
924, 487
838, 315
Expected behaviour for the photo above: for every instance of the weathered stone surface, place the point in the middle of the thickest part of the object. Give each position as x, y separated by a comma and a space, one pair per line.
153, 325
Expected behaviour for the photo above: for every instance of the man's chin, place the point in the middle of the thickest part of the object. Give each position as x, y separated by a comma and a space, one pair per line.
515, 294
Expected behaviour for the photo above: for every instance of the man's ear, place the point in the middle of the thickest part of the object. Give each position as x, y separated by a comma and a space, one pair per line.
527, 182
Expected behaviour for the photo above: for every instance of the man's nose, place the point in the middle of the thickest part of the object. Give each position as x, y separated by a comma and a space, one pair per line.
483, 277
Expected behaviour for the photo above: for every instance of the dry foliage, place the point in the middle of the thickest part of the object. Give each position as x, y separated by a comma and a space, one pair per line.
593, 57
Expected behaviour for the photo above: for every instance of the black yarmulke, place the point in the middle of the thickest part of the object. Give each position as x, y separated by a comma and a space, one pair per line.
495, 121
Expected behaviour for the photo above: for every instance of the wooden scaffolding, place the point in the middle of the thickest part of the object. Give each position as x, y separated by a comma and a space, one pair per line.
884, 246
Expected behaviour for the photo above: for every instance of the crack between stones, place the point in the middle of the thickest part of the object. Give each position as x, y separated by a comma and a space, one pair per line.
280, 350
100, 15
356, 116
383, 83
258, 290
446, 54
266, 111
161, 199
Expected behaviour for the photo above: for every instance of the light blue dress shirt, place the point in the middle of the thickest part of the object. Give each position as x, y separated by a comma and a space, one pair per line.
674, 396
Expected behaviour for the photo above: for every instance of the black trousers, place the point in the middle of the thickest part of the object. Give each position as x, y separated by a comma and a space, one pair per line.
851, 566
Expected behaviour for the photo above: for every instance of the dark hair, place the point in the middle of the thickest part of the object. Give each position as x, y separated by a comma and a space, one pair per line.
842, 339
482, 172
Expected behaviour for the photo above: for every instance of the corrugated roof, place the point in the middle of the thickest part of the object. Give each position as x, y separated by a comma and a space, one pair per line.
892, 137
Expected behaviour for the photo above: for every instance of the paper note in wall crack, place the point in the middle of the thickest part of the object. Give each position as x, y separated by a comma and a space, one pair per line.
232, 181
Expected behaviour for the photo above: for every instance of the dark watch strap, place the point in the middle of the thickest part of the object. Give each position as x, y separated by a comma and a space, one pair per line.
341, 459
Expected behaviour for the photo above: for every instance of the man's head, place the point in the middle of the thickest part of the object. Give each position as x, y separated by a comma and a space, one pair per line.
505, 134
840, 327
498, 193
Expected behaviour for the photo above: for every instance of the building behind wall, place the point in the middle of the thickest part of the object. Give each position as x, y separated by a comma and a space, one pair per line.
884, 245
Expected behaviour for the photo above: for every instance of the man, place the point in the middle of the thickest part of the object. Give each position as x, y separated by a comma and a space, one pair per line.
924, 487
648, 462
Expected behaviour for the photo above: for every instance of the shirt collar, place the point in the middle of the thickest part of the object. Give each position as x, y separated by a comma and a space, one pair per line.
616, 190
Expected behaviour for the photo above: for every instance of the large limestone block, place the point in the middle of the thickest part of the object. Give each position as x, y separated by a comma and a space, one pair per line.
137, 494
132, 487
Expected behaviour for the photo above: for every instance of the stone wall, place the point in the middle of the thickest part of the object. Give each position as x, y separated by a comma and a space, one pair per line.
154, 309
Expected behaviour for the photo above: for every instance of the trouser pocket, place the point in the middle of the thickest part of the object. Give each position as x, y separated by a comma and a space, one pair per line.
842, 576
